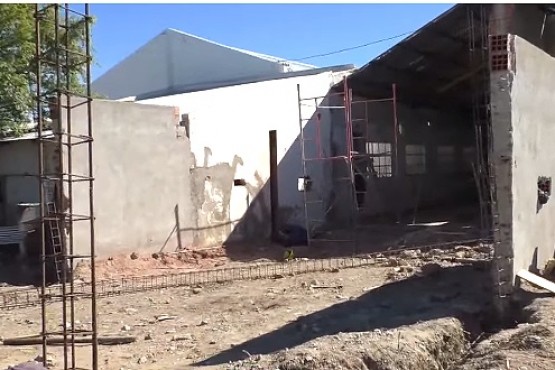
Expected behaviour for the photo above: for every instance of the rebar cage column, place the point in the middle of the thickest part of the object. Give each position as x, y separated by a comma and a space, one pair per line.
61, 62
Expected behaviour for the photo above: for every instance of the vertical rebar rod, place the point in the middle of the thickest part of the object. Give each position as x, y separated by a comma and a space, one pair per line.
91, 189
59, 197
395, 149
68, 74
38, 87
303, 160
349, 142
366, 123
347, 104
395, 129
318, 130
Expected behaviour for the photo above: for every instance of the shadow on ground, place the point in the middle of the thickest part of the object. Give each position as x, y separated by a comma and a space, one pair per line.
462, 292
430, 229
17, 272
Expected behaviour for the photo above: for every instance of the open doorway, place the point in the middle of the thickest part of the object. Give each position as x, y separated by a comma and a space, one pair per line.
418, 117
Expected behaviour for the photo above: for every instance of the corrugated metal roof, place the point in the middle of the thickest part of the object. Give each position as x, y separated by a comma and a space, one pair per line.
424, 62
249, 52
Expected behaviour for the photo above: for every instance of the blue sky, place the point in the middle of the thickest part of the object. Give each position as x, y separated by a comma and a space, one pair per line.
290, 31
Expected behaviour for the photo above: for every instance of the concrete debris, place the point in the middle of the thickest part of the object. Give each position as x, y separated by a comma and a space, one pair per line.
181, 337
549, 269
50, 361
429, 269
536, 280
402, 263
164, 317
32, 365
437, 252
463, 254
412, 254
156, 255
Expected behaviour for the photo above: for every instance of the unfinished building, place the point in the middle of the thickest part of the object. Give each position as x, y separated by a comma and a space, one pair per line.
444, 137
423, 145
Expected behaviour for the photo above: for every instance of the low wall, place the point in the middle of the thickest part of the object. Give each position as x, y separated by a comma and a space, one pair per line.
141, 168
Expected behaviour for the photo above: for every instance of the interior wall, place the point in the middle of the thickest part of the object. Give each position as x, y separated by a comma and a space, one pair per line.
447, 141
141, 168
229, 139
532, 116
18, 170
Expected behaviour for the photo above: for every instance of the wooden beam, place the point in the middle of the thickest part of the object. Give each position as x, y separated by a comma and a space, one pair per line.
536, 280
460, 79
434, 56
274, 197
32, 341
417, 76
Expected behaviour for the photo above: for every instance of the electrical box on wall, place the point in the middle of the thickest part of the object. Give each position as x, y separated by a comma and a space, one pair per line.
544, 189
239, 182
304, 183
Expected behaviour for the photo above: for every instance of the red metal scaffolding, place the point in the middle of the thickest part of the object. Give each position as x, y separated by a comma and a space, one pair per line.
339, 170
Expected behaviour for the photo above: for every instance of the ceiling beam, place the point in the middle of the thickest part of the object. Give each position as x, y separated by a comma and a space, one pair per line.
460, 79
411, 96
432, 55
416, 76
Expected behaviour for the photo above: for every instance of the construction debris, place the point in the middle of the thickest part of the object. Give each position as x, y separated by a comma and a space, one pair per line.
31, 341
536, 280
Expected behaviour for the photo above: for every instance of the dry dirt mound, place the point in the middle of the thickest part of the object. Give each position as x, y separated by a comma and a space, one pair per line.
135, 264
434, 344
426, 346
529, 346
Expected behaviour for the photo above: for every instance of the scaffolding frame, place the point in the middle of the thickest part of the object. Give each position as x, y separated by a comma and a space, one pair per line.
349, 161
56, 185
479, 49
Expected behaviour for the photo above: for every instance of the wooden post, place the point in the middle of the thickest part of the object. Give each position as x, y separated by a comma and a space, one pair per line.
274, 199
178, 228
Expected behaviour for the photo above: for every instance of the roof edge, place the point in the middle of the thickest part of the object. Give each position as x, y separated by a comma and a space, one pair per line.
426, 26
252, 53
184, 89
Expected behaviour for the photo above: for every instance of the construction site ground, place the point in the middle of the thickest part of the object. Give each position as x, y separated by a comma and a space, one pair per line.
417, 310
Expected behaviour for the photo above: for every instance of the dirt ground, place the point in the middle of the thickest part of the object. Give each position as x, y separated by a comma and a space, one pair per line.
408, 314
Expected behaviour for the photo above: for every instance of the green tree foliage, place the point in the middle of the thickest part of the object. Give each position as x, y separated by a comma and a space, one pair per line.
18, 63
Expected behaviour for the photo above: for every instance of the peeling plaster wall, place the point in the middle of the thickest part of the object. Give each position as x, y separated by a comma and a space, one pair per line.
229, 140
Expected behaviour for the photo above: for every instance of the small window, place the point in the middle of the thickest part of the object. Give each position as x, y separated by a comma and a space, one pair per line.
446, 160
415, 159
380, 153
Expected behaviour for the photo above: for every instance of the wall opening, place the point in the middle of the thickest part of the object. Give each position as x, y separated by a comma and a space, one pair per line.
425, 122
